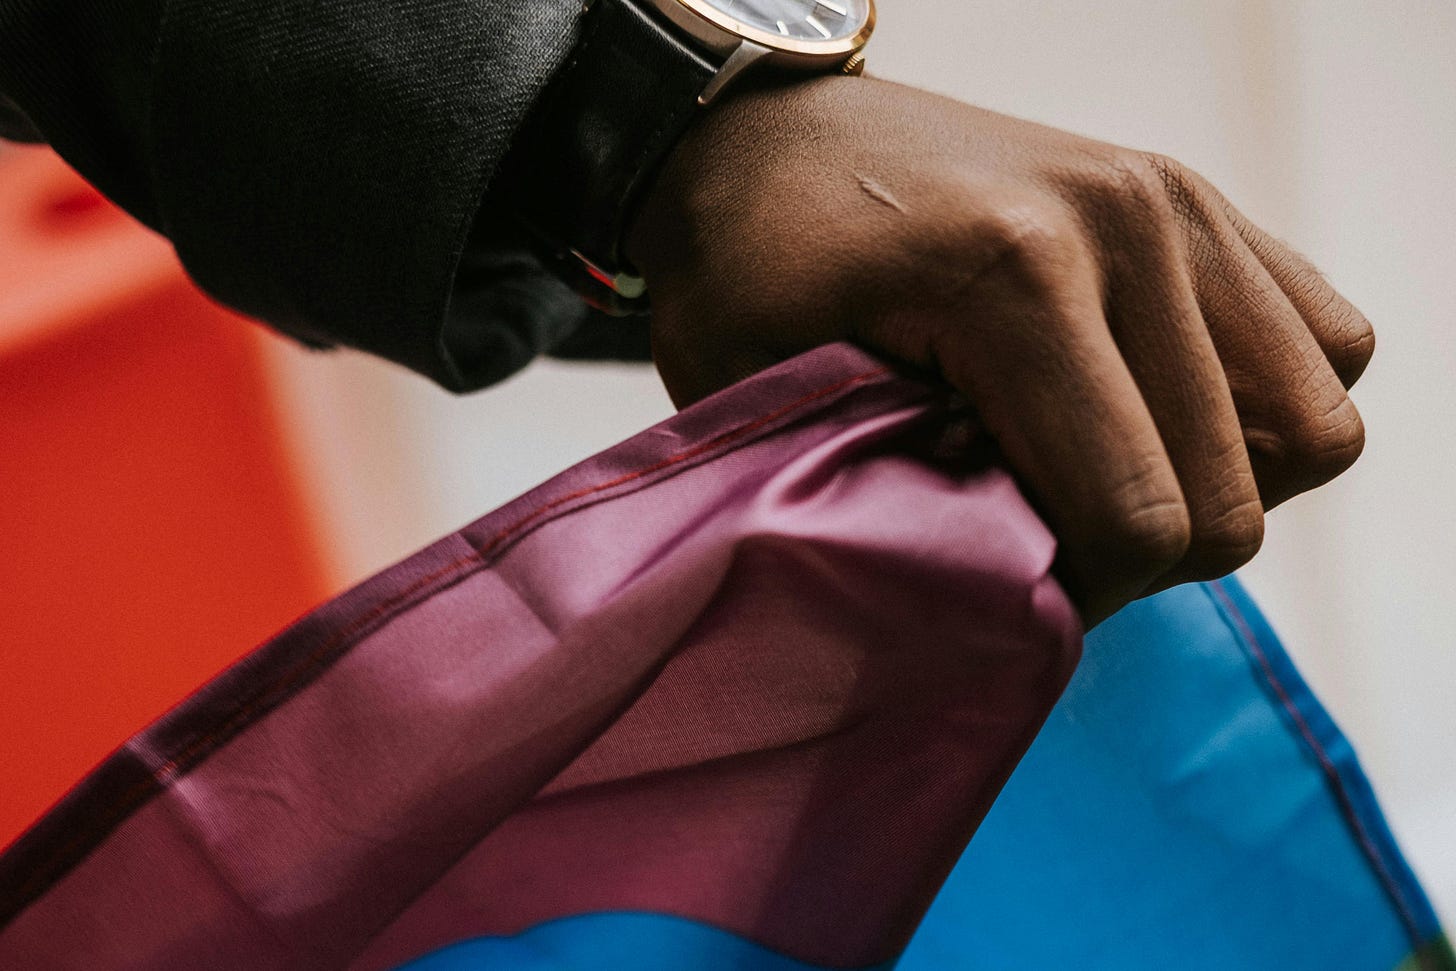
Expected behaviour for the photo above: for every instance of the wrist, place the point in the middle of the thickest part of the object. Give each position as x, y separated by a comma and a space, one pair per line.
735, 153
642, 73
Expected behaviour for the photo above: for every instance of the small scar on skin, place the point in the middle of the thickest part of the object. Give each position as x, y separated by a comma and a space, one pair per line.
880, 194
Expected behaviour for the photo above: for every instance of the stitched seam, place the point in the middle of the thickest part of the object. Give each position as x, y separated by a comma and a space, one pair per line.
527, 524
278, 690
1241, 627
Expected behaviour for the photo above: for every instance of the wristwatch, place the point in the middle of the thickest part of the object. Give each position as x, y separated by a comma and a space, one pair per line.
640, 72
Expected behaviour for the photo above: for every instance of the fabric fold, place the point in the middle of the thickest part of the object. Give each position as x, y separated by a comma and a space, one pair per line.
763, 668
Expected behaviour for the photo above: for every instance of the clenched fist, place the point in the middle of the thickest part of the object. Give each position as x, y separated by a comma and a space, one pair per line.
1156, 369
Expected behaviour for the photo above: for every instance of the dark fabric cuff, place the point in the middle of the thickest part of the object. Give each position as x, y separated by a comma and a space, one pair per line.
15, 125
506, 309
320, 165
603, 338
80, 72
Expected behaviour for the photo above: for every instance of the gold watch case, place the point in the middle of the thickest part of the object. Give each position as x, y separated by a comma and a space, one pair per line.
722, 34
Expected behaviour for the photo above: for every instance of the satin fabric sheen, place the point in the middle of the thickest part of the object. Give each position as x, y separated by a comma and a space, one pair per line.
763, 667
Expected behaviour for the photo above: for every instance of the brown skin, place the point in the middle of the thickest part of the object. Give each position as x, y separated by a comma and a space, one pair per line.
1156, 369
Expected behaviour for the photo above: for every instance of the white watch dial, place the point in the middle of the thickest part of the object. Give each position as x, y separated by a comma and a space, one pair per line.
800, 20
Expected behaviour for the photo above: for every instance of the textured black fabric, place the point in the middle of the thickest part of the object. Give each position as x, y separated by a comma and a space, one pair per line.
318, 164
603, 128
81, 70
15, 125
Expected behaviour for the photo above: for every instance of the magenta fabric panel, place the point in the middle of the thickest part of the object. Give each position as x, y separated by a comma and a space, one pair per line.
764, 666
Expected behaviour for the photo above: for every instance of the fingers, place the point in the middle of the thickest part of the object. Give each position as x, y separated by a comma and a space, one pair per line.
1023, 336
1300, 427
1156, 321
1341, 330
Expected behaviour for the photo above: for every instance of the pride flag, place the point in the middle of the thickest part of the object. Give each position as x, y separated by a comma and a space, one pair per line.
737, 694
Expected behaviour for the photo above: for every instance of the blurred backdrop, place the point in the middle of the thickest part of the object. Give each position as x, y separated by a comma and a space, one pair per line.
1333, 124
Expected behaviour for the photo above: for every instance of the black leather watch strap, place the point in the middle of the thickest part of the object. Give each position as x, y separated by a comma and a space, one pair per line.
602, 129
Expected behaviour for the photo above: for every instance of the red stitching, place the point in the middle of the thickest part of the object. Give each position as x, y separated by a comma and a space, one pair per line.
1326, 764
715, 443
306, 666
187, 759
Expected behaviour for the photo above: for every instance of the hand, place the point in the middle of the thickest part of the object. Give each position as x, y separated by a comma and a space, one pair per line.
1156, 370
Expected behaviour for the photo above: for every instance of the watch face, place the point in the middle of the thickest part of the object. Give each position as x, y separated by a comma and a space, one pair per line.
811, 20
795, 25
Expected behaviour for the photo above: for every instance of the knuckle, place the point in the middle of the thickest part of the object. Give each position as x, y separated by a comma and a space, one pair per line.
1328, 444
1020, 244
1172, 175
1344, 334
1021, 236
1180, 186
1353, 340
1131, 177
1229, 539
1356, 352
1150, 536
1342, 440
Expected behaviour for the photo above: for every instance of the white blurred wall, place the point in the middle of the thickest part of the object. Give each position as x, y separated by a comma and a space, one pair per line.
1333, 124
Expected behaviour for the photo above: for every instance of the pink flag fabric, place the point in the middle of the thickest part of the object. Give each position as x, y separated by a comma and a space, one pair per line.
764, 666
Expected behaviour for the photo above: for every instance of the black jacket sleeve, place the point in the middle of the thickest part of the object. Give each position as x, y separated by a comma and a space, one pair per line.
323, 165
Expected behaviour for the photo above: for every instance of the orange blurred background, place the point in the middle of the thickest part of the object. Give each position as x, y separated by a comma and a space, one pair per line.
151, 527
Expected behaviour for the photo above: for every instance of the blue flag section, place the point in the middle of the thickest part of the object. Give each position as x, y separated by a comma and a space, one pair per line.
1188, 805
641, 942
